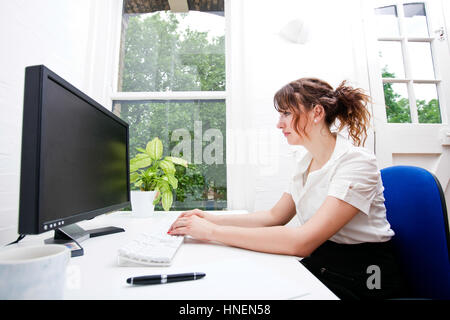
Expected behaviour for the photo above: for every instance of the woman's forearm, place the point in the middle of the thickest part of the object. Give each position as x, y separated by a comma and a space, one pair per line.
278, 239
255, 219
280, 214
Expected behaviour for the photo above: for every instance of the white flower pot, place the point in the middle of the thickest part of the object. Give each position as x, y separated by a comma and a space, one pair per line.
142, 203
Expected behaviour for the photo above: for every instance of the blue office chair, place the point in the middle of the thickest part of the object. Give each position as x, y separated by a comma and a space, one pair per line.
416, 210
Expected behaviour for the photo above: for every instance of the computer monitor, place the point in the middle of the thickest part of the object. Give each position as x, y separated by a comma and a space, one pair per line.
75, 162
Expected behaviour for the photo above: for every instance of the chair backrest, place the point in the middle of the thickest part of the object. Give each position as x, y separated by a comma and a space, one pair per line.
416, 210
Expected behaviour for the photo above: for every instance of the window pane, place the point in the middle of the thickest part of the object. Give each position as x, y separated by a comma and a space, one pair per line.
166, 51
421, 60
427, 103
397, 103
387, 21
194, 130
416, 20
391, 59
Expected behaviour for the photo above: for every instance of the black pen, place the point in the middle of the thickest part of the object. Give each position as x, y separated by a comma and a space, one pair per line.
164, 278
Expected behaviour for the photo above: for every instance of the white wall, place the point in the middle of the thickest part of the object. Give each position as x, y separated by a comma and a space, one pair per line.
60, 35
267, 63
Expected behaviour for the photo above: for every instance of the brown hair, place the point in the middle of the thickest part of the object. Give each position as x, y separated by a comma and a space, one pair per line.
346, 104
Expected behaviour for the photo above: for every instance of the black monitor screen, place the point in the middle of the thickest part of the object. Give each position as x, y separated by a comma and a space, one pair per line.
83, 156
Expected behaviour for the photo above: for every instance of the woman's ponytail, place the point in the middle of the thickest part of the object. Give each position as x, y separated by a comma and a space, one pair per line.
351, 111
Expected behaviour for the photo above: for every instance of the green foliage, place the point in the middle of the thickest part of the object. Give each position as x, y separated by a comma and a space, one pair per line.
158, 57
397, 107
150, 171
429, 112
190, 182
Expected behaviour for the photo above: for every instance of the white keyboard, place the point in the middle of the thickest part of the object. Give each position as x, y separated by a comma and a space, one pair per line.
154, 249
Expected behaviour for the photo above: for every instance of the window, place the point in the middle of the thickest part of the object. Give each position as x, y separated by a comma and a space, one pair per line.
405, 50
171, 85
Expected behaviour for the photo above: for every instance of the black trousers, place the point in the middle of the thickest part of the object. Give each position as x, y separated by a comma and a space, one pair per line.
358, 271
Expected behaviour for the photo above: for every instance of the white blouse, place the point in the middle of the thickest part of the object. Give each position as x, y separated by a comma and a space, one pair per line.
350, 175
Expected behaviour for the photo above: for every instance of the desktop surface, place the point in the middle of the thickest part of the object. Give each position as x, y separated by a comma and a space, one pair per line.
231, 273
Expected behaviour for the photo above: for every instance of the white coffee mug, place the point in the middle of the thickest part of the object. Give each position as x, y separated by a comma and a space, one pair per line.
33, 272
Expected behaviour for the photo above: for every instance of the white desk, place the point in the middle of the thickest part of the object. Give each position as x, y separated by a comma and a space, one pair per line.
231, 273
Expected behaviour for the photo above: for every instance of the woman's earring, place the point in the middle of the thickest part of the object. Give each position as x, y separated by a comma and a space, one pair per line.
315, 120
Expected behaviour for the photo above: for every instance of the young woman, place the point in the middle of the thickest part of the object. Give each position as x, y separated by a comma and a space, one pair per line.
336, 192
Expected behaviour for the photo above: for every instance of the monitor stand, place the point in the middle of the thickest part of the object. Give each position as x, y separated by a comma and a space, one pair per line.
73, 234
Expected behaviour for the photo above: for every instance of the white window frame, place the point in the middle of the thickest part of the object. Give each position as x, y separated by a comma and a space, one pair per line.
115, 95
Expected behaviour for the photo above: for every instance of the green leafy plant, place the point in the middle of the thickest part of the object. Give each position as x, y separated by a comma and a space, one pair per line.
149, 171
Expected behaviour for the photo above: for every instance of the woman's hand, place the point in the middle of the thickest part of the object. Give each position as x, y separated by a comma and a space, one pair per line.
197, 212
193, 223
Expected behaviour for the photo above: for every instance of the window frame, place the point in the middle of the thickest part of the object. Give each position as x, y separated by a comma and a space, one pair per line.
115, 95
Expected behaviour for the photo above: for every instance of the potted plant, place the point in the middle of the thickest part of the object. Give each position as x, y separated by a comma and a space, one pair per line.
154, 176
